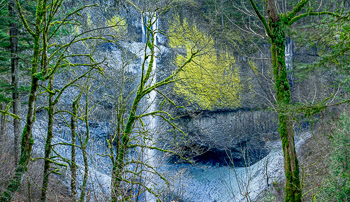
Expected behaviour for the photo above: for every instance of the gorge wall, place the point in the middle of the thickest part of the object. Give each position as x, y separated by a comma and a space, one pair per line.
229, 117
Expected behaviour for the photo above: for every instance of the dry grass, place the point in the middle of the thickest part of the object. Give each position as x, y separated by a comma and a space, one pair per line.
313, 164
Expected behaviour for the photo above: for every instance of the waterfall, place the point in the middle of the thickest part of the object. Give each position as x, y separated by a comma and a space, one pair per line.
288, 51
151, 104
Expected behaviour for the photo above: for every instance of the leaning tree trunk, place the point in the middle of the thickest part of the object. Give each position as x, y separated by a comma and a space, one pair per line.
27, 142
115, 182
283, 94
14, 75
118, 168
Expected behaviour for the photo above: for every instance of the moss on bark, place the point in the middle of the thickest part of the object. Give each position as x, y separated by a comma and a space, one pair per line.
283, 95
48, 145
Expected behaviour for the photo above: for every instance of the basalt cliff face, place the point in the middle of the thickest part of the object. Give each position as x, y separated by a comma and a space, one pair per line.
236, 127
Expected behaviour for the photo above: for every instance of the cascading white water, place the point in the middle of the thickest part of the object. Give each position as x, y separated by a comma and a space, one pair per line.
152, 121
288, 51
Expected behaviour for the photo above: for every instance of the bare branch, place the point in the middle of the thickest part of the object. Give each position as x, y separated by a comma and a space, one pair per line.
262, 19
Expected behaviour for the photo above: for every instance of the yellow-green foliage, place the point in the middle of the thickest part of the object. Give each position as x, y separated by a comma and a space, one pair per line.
212, 80
76, 29
120, 23
88, 20
253, 67
249, 80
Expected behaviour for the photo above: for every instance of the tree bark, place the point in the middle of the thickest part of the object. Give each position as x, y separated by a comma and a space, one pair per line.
291, 167
73, 166
84, 146
123, 143
86, 174
27, 140
48, 145
14, 75
3, 125
118, 168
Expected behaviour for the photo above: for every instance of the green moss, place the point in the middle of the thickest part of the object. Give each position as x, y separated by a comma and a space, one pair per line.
283, 95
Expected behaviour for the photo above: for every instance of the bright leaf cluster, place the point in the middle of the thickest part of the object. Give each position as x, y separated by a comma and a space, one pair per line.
212, 80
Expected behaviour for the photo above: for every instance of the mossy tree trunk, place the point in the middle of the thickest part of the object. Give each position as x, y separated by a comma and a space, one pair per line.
120, 110
85, 140
86, 171
42, 30
27, 140
275, 29
123, 143
283, 95
118, 166
14, 75
3, 124
51, 112
48, 145
73, 166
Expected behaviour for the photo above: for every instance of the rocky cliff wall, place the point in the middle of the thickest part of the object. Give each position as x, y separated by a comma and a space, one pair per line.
242, 133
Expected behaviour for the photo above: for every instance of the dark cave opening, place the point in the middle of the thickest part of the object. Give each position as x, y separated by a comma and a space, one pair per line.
218, 157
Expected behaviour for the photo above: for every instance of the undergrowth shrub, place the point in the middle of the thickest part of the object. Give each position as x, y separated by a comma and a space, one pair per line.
336, 186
